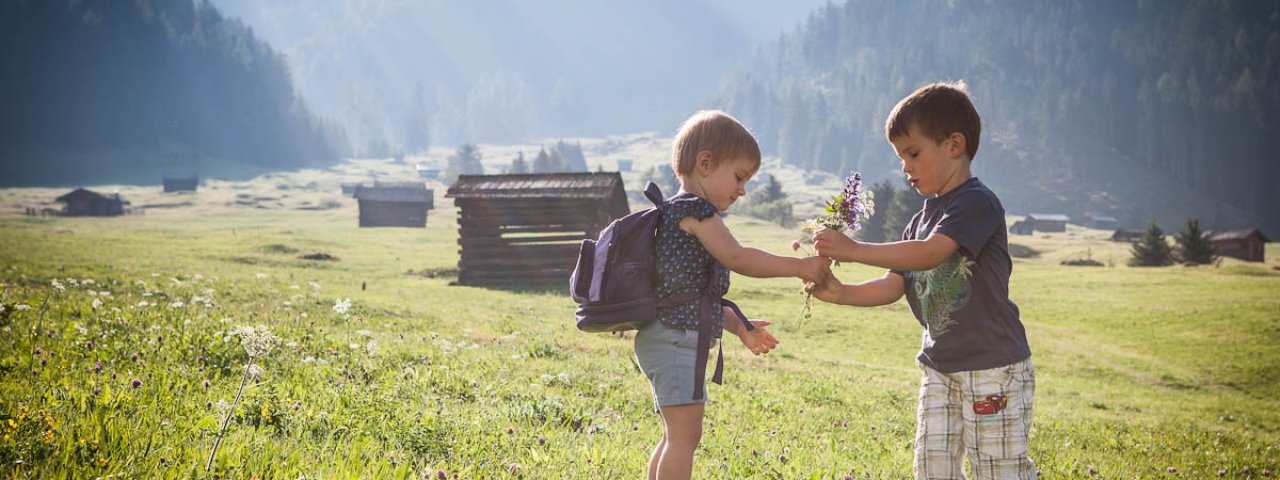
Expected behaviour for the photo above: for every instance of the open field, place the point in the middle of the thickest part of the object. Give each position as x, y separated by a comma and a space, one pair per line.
1143, 372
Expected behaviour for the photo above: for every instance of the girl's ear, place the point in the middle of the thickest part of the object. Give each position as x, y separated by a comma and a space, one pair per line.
703, 162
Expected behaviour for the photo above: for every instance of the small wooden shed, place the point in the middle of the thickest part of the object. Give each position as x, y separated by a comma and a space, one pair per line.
1247, 244
1048, 222
391, 204
526, 229
181, 184
1128, 234
87, 203
349, 188
1101, 222
1022, 227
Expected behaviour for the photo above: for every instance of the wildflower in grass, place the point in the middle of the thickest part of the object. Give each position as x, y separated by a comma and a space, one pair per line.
88, 345
372, 347
97, 366
260, 276
22, 307
137, 383
58, 286
96, 304
513, 469
257, 342
342, 305
177, 304
206, 383
256, 370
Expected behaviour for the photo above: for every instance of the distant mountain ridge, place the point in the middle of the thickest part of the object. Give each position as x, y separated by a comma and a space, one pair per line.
1135, 109
103, 91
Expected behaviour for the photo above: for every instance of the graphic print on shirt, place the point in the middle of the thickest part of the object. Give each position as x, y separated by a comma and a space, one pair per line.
942, 291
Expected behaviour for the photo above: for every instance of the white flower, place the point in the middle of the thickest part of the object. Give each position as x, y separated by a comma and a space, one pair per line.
22, 307
154, 275
1, 308
372, 346
73, 282
97, 304
257, 341
294, 287
255, 370
81, 329
223, 406
104, 293
259, 275
87, 281
313, 285
197, 277
354, 346
143, 303
91, 293
291, 344
177, 304
342, 305
309, 359
364, 333
58, 286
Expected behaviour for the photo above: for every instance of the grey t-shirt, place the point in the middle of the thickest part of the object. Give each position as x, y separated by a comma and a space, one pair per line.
970, 322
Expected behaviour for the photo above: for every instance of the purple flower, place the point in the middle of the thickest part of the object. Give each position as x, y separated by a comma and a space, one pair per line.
88, 344
441, 475
137, 383
97, 366
795, 245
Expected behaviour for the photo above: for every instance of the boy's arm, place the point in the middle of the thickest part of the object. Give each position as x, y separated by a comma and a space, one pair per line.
752, 262
871, 293
909, 255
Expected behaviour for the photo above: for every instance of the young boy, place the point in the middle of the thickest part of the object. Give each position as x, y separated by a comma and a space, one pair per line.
953, 266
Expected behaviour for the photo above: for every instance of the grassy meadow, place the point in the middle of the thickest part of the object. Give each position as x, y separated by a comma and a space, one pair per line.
128, 366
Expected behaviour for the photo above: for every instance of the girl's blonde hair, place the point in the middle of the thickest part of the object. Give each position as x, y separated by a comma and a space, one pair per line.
714, 131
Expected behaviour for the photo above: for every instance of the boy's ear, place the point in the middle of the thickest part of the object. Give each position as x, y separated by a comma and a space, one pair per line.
957, 144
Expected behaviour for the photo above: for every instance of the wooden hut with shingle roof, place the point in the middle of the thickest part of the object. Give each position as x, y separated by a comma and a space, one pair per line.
526, 229
87, 203
388, 204
1247, 244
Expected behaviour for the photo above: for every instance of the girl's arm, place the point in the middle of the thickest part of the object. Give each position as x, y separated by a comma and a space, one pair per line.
758, 340
752, 262
871, 293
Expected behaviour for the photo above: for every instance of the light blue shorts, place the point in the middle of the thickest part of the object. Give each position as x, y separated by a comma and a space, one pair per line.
667, 357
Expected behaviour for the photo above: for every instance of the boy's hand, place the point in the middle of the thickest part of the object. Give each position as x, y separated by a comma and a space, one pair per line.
832, 243
814, 268
758, 340
827, 290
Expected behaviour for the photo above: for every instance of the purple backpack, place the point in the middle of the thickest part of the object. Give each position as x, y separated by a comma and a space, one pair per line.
615, 279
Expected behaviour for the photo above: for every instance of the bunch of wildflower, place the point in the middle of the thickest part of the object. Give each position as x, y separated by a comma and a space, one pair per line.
257, 341
845, 212
342, 305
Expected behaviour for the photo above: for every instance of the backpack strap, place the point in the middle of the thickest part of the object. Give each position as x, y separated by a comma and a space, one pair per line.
653, 193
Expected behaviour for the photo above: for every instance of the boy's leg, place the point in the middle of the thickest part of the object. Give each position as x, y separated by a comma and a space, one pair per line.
997, 441
939, 443
682, 425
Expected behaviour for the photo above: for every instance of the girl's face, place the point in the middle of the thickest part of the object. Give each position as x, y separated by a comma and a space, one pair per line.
724, 183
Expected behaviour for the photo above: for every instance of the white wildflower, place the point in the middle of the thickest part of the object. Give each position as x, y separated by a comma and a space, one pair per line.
97, 304
372, 347
22, 307
81, 329
294, 287
73, 282
342, 305
197, 277
104, 293
354, 346
257, 341
259, 275
154, 275
58, 286
91, 293
1, 308
364, 333
313, 285
175, 281
223, 406
177, 304
143, 304
255, 370
308, 359
291, 344
87, 281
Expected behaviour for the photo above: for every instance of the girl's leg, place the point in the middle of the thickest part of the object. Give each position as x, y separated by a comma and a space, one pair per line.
682, 425
656, 456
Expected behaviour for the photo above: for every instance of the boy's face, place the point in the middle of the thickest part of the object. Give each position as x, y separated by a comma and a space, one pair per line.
724, 183
932, 168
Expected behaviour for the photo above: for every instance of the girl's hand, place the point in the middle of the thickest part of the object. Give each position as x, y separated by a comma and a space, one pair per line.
758, 340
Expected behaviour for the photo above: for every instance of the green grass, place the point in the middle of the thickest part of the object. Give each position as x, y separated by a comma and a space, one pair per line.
1138, 370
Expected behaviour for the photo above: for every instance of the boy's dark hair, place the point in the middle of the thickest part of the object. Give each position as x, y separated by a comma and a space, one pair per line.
724, 136
937, 110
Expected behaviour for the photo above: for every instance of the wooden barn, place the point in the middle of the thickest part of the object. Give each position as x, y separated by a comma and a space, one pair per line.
388, 204
87, 203
1248, 244
1101, 222
181, 184
1022, 227
526, 229
1048, 222
1128, 234
349, 188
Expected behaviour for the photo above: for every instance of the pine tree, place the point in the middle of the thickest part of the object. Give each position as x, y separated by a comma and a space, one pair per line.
1193, 247
519, 165
1152, 250
898, 213
876, 229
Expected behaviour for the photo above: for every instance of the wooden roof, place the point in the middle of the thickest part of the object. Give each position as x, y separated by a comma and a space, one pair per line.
1051, 217
89, 195
405, 192
591, 185
1241, 234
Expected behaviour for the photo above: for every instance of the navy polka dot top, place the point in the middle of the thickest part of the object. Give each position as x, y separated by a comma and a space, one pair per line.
683, 264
